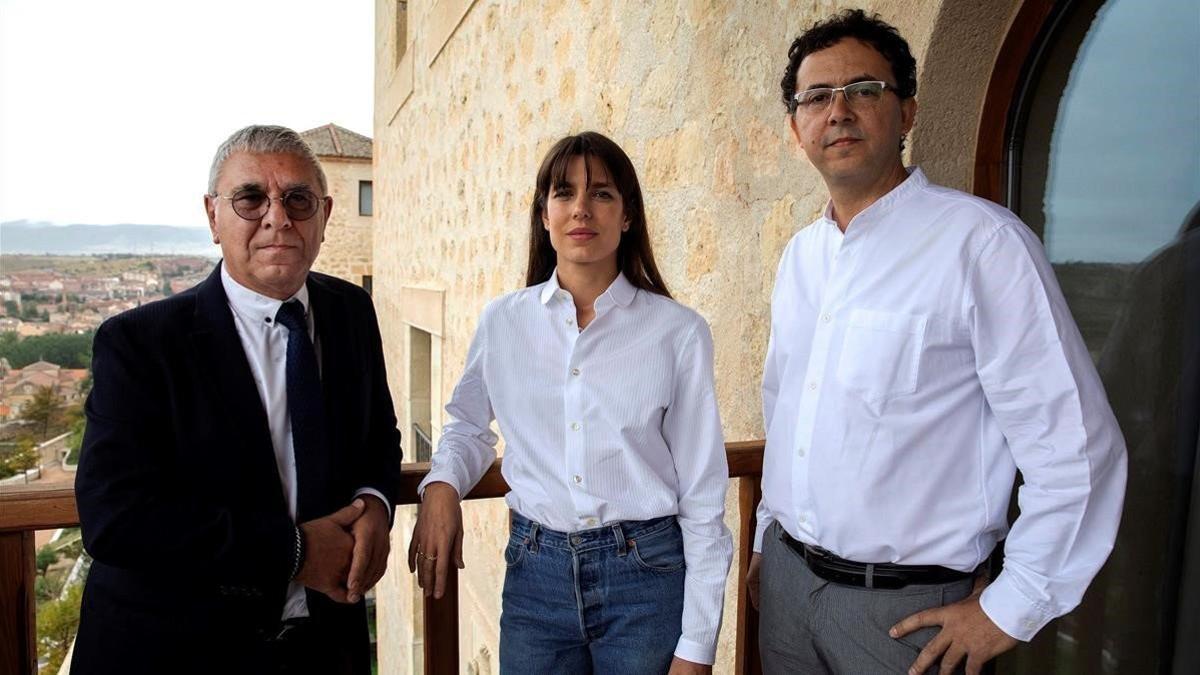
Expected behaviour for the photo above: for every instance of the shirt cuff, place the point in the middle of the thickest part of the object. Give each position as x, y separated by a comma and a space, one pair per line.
1012, 612
441, 476
760, 531
387, 504
696, 652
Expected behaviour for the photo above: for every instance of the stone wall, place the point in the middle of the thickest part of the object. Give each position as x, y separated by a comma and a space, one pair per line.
469, 96
347, 250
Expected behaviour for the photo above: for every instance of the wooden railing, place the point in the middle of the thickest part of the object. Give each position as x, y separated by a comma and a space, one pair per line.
25, 510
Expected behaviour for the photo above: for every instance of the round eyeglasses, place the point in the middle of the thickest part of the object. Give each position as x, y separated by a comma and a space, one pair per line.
299, 204
859, 96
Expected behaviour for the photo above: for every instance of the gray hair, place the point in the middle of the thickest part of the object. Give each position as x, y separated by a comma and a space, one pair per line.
264, 139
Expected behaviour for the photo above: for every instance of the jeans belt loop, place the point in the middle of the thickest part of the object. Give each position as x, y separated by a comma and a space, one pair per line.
533, 536
619, 535
870, 574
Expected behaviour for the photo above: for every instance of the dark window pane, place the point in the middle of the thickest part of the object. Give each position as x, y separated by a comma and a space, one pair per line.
365, 198
1108, 173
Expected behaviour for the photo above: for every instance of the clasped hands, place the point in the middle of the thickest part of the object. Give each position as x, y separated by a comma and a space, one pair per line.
345, 553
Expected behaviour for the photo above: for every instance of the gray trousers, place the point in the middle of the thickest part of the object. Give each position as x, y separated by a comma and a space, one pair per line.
809, 625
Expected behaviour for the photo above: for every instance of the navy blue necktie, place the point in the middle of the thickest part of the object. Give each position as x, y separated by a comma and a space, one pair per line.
306, 408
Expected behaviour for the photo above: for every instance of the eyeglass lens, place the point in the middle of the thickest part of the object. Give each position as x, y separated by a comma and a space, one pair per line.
253, 204
859, 92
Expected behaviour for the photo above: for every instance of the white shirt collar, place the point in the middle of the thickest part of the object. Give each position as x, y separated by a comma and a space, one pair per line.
621, 292
255, 306
915, 182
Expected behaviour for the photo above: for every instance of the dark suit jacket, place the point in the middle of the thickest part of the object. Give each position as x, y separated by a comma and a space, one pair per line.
179, 497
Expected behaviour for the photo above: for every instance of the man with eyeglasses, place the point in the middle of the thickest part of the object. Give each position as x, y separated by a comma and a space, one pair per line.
921, 353
241, 457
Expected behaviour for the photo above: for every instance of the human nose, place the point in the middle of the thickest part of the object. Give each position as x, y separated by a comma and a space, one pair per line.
839, 108
277, 215
581, 206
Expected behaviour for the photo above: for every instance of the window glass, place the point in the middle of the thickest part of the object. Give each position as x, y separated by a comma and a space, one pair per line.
1107, 170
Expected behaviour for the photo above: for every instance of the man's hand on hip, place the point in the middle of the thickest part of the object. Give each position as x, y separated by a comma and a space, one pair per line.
372, 543
966, 633
328, 549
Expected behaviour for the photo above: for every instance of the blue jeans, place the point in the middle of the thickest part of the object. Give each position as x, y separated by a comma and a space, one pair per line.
606, 600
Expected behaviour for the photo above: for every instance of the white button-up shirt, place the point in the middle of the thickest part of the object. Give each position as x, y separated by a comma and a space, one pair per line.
915, 363
265, 344
615, 422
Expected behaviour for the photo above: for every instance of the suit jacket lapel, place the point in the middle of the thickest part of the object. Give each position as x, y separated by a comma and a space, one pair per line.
220, 355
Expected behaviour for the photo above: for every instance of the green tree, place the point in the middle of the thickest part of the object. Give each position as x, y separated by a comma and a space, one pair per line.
46, 556
65, 349
24, 458
57, 623
48, 588
78, 427
43, 408
5, 471
11, 308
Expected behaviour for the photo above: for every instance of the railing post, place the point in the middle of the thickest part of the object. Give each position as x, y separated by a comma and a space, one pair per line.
441, 628
746, 656
18, 623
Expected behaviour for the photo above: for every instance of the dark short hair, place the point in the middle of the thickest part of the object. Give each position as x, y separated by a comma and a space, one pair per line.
635, 257
852, 23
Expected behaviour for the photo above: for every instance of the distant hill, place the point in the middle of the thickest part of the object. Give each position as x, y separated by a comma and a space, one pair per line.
45, 239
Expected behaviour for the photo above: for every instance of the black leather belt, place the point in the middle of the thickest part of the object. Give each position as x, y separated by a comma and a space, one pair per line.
871, 575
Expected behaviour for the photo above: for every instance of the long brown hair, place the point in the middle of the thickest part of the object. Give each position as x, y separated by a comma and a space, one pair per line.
635, 257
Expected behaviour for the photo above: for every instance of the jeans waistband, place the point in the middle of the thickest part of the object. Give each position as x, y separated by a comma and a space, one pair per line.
616, 534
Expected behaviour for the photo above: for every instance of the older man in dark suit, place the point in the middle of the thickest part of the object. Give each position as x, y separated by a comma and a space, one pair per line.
241, 457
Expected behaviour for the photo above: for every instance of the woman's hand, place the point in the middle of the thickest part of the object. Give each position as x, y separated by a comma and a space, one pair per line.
681, 667
437, 538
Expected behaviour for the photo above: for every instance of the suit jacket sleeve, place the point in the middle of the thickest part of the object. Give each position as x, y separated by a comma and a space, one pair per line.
137, 506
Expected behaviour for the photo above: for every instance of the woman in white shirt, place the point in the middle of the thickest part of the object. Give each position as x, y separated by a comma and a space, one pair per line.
602, 387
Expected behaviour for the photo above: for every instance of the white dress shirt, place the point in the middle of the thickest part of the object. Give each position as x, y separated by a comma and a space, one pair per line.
265, 344
615, 422
915, 363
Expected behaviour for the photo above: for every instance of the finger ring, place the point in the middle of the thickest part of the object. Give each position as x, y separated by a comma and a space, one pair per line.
421, 554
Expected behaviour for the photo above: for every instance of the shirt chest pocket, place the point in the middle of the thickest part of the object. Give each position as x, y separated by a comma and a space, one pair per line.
881, 354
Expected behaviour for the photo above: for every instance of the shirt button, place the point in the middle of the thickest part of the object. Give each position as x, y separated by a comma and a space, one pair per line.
578, 479
570, 322
800, 452
802, 518
575, 372
826, 318
812, 386
591, 521
574, 426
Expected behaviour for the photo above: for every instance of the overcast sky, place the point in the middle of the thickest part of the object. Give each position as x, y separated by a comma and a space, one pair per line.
110, 111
